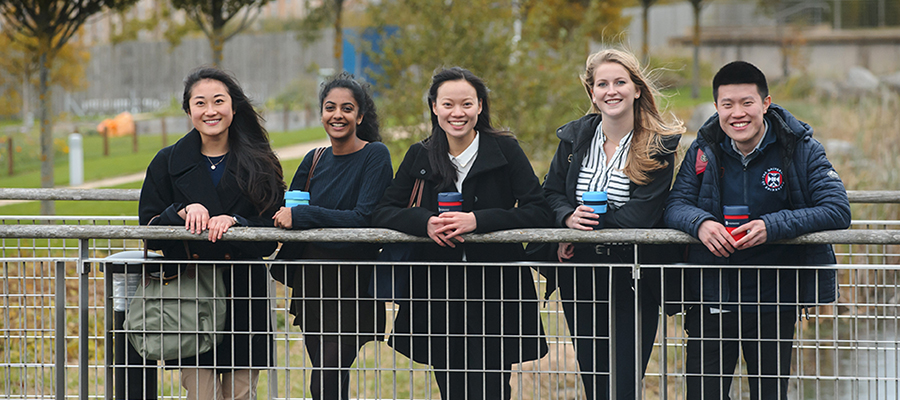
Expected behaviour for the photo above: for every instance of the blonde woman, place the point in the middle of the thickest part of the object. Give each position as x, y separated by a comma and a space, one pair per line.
624, 147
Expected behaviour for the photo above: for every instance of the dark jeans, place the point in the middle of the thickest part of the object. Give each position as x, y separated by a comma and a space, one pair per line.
585, 292
331, 359
716, 340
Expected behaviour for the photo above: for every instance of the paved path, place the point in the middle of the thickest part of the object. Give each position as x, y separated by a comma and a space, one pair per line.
285, 153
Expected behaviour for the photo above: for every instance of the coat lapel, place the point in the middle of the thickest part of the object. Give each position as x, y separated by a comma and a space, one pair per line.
228, 192
489, 157
190, 176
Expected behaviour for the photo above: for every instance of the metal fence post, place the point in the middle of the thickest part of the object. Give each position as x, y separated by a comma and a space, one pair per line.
84, 271
109, 324
60, 330
639, 335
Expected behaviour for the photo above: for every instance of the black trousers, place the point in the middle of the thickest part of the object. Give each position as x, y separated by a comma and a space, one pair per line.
473, 385
715, 341
332, 357
585, 293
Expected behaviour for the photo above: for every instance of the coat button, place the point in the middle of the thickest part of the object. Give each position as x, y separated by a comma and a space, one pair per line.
422, 172
227, 256
476, 199
195, 256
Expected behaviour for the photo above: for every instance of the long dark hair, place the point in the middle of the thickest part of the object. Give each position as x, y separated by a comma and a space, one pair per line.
259, 174
437, 144
368, 129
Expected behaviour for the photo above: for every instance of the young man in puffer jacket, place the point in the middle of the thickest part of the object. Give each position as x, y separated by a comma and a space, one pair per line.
752, 153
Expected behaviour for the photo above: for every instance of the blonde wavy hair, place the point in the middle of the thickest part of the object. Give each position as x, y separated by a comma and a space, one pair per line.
649, 126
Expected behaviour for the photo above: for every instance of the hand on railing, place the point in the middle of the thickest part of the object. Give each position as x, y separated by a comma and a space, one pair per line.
196, 217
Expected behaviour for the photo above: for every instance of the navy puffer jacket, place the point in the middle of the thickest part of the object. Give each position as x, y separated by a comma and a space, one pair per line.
817, 196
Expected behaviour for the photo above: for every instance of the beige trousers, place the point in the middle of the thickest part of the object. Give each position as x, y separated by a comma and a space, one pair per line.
206, 384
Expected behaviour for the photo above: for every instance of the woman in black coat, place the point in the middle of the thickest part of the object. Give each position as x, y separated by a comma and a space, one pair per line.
630, 155
498, 325
223, 173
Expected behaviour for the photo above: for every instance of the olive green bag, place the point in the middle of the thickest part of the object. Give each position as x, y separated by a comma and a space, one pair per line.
177, 312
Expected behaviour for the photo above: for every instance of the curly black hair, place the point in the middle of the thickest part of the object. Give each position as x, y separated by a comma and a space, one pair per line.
368, 129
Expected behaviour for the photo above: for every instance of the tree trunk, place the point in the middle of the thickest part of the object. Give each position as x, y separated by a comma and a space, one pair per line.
11, 152
338, 36
27, 116
217, 44
695, 72
48, 207
645, 32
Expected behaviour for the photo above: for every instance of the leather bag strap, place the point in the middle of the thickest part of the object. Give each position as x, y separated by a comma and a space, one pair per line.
415, 198
316, 156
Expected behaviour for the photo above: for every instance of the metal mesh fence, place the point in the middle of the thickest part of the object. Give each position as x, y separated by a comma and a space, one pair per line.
64, 304
840, 350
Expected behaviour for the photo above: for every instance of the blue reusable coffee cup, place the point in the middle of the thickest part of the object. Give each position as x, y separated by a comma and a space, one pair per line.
597, 201
296, 198
449, 201
736, 216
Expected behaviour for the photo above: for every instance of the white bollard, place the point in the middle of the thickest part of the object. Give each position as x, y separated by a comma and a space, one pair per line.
76, 160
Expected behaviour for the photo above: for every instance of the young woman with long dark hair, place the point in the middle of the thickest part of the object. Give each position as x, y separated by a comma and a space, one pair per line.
223, 173
470, 322
346, 184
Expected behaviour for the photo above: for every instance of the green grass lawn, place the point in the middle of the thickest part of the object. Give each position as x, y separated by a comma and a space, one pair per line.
121, 160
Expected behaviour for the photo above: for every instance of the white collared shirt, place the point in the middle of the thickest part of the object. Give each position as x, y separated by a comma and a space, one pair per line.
463, 162
598, 174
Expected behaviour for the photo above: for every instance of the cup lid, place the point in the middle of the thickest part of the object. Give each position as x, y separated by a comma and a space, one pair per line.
296, 195
450, 197
594, 196
736, 210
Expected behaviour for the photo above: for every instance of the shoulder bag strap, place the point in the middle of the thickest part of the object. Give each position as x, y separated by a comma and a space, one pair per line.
316, 156
415, 198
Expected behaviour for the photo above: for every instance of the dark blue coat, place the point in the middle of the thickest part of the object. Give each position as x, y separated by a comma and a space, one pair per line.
816, 201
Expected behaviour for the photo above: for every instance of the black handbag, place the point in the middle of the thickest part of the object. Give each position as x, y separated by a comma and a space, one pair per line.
391, 282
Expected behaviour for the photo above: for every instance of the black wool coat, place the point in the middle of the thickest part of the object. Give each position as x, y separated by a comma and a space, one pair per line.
501, 319
178, 176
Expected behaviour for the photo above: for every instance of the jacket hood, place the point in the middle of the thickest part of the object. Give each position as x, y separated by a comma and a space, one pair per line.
776, 116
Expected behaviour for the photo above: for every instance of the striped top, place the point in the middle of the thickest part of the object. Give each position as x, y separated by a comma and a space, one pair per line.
599, 174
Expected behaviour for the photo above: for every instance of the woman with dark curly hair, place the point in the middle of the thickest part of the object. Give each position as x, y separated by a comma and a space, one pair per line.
223, 173
331, 302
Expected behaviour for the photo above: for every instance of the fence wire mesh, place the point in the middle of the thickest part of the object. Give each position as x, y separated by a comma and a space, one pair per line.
61, 330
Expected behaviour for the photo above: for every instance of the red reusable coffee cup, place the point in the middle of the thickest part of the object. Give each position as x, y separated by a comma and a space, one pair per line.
736, 216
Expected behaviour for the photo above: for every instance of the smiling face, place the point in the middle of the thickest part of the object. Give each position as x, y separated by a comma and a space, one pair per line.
741, 112
340, 114
457, 108
211, 110
613, 91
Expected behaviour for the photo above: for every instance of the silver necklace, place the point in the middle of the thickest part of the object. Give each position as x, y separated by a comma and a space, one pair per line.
213, 166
